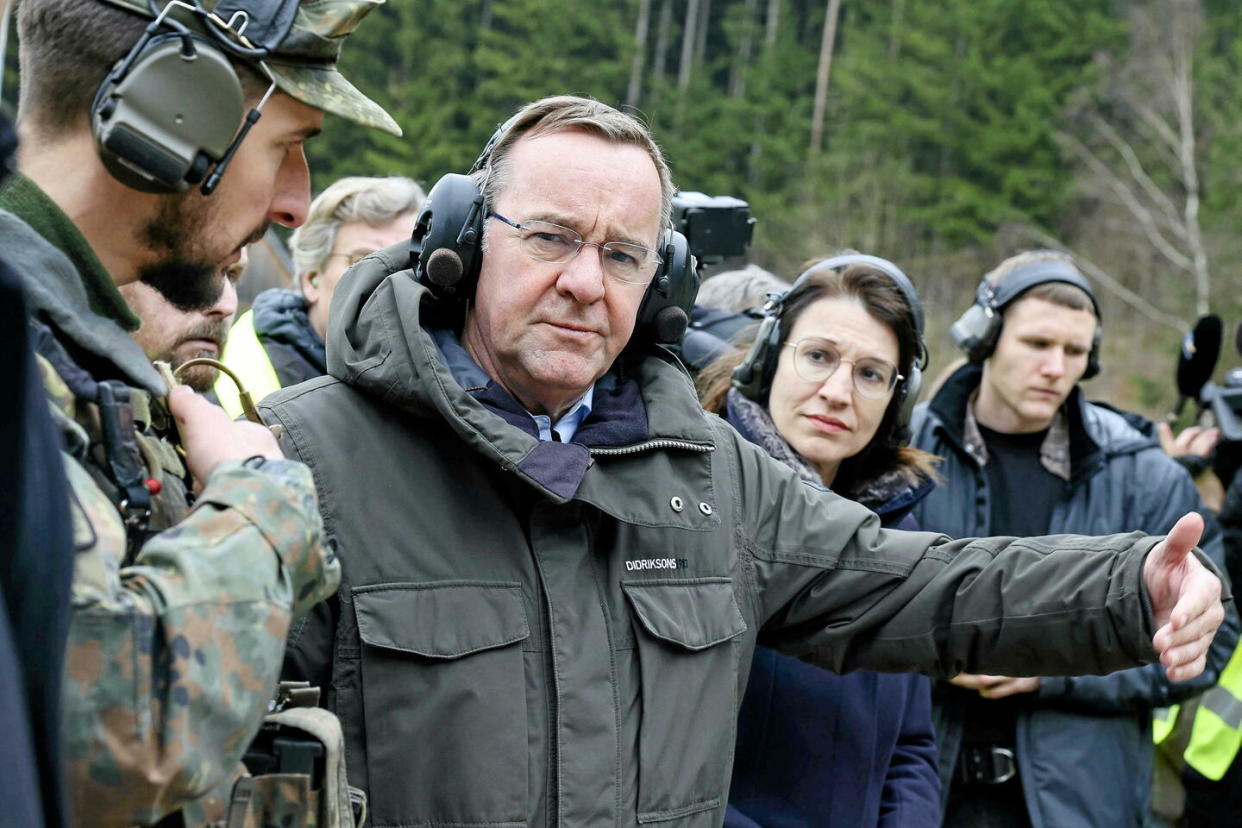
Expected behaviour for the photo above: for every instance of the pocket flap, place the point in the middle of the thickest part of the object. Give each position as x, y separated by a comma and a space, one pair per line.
692, 614
441, 620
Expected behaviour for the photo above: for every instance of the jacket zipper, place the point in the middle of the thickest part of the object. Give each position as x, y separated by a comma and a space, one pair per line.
652, 445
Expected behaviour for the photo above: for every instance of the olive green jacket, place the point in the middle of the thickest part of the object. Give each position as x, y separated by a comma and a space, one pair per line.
509, 649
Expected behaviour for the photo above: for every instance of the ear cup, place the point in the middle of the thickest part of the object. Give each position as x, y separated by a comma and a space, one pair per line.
664, 313
975, 331
751, 375
1093, 359
163, 117
448, 238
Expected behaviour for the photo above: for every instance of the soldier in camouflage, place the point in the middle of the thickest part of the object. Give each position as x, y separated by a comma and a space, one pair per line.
195, 553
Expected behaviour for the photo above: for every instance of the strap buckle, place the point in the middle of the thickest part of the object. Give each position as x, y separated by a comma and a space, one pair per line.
986, 765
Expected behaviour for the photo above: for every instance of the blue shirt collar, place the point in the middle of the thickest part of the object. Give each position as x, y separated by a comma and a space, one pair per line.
470, 376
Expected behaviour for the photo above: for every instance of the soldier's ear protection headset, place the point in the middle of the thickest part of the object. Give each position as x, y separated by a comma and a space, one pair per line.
447, 248
753, 377
977, 330
170, 114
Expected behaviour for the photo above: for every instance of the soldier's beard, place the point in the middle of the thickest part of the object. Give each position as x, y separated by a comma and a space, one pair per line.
189, 272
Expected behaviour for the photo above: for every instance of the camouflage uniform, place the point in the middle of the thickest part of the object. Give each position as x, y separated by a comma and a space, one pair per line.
179, 618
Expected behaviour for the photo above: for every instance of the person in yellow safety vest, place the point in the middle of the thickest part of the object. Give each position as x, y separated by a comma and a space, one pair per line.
1212, 776
280, 340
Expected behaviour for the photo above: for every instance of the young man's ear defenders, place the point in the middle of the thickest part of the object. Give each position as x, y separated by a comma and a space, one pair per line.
976, 331
753, 377
447, 250
171, 114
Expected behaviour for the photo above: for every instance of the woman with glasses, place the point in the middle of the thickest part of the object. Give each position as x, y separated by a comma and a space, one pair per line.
823, 391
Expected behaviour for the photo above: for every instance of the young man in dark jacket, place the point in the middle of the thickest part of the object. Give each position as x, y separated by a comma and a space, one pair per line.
1024, 453
556, 565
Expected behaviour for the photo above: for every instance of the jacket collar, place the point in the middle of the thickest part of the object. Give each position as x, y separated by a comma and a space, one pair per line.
23, 198
282, 316
892, 494
1069, 450
58, 295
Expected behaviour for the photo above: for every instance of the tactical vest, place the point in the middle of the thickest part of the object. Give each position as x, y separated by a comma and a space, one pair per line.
120, 436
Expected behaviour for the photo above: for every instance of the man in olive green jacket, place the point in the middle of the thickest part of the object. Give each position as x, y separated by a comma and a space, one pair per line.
556, 565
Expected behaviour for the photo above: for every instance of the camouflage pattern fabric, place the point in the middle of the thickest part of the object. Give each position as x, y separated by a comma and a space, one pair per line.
304, 65
287, 799
279, 799
172, 658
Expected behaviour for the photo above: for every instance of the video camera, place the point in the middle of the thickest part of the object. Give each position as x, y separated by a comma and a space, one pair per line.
717, 227
1196, 362
1222, 404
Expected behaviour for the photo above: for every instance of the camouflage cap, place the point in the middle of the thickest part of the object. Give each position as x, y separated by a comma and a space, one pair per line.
304, 64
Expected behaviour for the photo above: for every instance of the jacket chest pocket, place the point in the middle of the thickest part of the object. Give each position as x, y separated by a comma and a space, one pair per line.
444, 701
688, 656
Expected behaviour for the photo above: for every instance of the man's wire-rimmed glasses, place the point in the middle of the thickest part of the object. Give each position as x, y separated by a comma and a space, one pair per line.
631, 264
815, 360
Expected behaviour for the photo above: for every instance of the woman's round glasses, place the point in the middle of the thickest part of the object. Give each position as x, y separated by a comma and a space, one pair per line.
816, 360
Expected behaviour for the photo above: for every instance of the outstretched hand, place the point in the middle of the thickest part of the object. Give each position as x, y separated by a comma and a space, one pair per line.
1185, 600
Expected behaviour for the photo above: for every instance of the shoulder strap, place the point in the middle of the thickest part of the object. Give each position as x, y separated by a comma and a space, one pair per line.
123, 464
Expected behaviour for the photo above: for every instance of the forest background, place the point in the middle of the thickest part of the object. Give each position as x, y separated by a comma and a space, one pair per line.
941, 135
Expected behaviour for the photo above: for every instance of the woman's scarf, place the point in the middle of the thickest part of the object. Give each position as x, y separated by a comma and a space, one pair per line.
755, 424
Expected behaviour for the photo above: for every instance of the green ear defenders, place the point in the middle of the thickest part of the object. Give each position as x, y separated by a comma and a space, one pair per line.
976, 331
753, 377
171, 114
447, 250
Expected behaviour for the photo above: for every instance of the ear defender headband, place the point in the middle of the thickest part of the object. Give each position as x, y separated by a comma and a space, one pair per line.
447, 248
976, 331
171, 113
753, 377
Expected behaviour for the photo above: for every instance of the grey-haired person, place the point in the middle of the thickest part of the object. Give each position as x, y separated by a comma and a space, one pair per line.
558, 565
280, 340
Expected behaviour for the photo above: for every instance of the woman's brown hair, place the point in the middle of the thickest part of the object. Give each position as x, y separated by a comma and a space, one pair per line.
881, 298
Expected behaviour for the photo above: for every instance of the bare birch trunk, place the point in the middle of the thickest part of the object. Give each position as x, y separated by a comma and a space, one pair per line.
661, 50
824, 75
773, 24
686, 68
700, 36
1184, 96
741, 57
640, 53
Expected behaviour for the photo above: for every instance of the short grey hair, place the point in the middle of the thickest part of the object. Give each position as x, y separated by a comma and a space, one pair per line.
567, 112
373, 201
739, 290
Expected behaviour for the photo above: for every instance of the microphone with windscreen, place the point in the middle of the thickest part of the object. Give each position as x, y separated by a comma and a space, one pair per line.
1197, 360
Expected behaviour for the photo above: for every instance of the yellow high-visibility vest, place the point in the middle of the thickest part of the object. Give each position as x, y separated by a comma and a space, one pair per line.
244, 353
1162, 721
1217, 731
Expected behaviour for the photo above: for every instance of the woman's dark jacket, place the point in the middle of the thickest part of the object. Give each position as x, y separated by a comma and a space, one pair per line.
1084, 746
819, 749
282, 323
